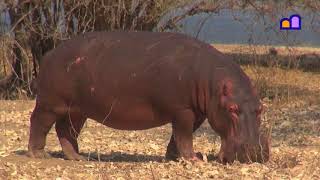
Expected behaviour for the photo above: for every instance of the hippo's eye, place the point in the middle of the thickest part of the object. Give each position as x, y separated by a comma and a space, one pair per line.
233, 108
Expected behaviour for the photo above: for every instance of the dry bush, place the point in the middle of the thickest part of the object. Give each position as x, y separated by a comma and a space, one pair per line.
8, 73
5, 66
39, 26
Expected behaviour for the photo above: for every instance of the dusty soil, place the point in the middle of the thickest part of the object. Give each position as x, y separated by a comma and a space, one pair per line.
114, 154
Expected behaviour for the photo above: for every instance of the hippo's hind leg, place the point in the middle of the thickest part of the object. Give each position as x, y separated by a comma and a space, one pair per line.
68, 130
172, 151
41, 122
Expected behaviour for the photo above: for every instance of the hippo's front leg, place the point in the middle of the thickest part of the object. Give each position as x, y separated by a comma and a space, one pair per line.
172, 151
182, 128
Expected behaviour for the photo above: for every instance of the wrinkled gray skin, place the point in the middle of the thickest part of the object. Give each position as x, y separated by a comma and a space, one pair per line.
141, 80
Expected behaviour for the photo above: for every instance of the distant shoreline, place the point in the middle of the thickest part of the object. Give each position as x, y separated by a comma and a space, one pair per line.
264, 49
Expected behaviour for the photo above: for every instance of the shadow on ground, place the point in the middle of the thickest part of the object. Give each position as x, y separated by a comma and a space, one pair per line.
114, 157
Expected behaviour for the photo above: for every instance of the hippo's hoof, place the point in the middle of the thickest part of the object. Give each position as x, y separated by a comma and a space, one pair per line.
199, 156
41, 154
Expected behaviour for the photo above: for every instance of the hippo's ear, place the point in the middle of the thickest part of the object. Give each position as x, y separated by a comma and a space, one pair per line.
225, 92
226, 88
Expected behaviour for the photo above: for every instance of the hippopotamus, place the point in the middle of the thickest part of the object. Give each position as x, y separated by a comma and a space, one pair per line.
142, 80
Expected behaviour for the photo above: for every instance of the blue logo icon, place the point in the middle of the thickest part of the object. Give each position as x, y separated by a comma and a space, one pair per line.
292, 23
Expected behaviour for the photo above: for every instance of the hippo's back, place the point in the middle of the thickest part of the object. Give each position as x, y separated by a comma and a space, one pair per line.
125, 43
138, 48
93, 69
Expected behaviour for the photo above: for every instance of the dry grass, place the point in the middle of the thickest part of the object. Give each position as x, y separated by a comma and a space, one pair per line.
139, 154
264, 49
285, 86
4, 56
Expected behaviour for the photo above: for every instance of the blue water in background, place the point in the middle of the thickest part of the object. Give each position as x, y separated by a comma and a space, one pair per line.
5, 21
235, 27
242, 27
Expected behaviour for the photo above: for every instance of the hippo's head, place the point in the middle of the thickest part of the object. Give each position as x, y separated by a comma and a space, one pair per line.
235, 114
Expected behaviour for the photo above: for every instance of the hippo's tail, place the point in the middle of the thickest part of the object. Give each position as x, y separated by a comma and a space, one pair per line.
33, 86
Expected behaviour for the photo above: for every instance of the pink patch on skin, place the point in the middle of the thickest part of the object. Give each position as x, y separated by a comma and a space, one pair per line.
92, 89
78, 60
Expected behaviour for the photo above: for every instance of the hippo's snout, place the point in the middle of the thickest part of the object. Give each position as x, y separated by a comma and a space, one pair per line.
258, 152
245, 153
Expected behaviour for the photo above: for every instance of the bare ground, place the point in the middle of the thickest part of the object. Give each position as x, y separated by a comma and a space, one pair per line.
114, 154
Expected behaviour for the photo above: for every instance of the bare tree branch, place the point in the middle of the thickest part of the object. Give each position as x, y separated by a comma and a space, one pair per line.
173, 16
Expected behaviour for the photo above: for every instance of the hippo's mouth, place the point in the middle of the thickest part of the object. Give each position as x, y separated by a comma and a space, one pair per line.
245, 153
255, 153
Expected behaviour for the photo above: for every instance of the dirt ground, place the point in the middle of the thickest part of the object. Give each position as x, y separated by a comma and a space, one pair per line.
115, 154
